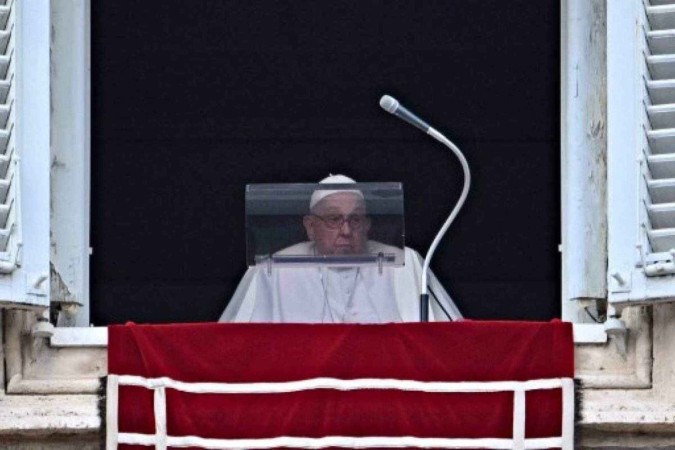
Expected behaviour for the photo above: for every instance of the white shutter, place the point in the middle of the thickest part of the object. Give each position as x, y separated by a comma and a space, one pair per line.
24, 153
9, 241
641, 150
659, 174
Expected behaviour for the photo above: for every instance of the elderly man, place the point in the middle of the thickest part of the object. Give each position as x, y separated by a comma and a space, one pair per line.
337, 224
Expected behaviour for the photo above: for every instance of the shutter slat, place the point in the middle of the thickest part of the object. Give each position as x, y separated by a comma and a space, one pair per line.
4, 213
6, 17
661, 141
5, 135
6, 183
661, 17
660, 191
5, 111
661, 116
661, 42
4, 236
660, 91
662, 216
662, 240
661, 67
4, 65
662, 166
5, 36
4, 90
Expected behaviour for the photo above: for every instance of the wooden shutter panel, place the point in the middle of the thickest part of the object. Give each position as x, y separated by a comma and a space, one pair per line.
641, 151
9, 241
658, 190
25, 126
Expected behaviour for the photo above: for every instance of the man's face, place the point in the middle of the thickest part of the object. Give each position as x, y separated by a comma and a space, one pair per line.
338, 224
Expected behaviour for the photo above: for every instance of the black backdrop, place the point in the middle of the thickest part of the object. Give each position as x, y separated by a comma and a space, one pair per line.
191, 100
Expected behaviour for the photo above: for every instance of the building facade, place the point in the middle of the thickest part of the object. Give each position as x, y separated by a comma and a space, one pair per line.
618, 192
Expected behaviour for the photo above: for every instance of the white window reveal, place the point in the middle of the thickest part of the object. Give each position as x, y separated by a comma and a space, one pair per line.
24, 153
70, 162
641, 151
583, 165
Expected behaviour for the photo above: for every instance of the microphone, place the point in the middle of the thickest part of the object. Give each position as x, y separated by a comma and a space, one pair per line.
391, 105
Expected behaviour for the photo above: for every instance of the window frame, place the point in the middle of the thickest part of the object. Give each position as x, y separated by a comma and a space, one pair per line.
583, 169
71, 159
73, 229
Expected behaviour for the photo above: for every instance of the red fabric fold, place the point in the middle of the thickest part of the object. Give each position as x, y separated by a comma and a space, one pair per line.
462, 351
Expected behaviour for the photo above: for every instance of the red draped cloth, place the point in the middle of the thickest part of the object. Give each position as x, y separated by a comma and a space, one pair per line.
245, 353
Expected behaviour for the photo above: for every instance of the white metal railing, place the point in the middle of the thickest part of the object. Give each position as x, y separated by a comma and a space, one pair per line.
161, 440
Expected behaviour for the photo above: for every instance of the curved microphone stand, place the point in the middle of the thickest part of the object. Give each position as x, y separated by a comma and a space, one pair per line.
392, 106
424, 297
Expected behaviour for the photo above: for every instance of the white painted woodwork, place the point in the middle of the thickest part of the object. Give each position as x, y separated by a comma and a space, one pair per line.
659, 29
24, 153
71, 148
641, 151
82, 337
583, 159
9, 192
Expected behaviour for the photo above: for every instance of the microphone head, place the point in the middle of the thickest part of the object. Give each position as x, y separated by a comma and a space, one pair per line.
389, 104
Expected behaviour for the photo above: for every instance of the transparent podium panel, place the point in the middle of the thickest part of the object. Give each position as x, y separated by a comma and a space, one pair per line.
337, 225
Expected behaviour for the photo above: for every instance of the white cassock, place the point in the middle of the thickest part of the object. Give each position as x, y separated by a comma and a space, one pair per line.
337, 295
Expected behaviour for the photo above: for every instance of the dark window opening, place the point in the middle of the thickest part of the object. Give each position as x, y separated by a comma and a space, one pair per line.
193, 100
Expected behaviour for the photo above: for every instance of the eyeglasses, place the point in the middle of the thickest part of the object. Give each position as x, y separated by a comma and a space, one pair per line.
336, 221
